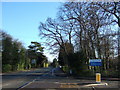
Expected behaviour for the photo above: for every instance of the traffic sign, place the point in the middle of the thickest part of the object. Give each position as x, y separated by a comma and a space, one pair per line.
95, 62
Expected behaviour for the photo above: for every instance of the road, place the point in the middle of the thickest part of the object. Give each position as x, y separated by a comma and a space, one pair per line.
18, 79
51, 78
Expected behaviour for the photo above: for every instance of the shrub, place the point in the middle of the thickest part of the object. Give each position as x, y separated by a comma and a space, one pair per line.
110, 73
6, 68
65, 68
77, 62
20, 67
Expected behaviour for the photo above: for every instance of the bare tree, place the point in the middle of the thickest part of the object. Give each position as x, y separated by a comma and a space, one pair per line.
56, 34
91, 27
90, 24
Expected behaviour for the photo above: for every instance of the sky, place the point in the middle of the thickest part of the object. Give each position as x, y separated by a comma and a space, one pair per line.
22, 19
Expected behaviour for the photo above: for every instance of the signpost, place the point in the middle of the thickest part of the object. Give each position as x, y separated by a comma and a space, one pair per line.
96, 62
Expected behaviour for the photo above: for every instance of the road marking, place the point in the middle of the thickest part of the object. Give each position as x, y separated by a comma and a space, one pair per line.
5, 84
26, 84
69, 85
96, 84
56, 82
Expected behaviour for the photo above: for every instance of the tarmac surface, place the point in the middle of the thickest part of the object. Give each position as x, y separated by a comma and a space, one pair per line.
60, 80
55, 78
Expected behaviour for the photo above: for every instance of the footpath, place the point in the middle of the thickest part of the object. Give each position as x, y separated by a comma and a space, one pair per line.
24, 72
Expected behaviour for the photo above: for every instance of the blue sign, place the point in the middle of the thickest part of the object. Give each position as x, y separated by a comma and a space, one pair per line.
95, 62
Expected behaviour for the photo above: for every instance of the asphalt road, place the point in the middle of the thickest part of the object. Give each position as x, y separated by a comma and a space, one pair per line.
52, 78
18, 79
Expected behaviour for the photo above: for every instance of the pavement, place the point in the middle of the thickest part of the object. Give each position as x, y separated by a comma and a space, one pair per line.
103, 78
26, 72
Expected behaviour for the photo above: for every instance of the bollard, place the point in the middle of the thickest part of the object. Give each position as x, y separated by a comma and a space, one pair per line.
98, 78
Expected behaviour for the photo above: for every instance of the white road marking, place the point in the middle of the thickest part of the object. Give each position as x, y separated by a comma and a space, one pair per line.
56, 82
6, 84
96, 84
27, 84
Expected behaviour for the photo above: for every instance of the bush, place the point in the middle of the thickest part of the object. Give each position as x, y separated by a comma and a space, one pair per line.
65, 68
6, 68
77, 62
110, 73
14, 67
20, 67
